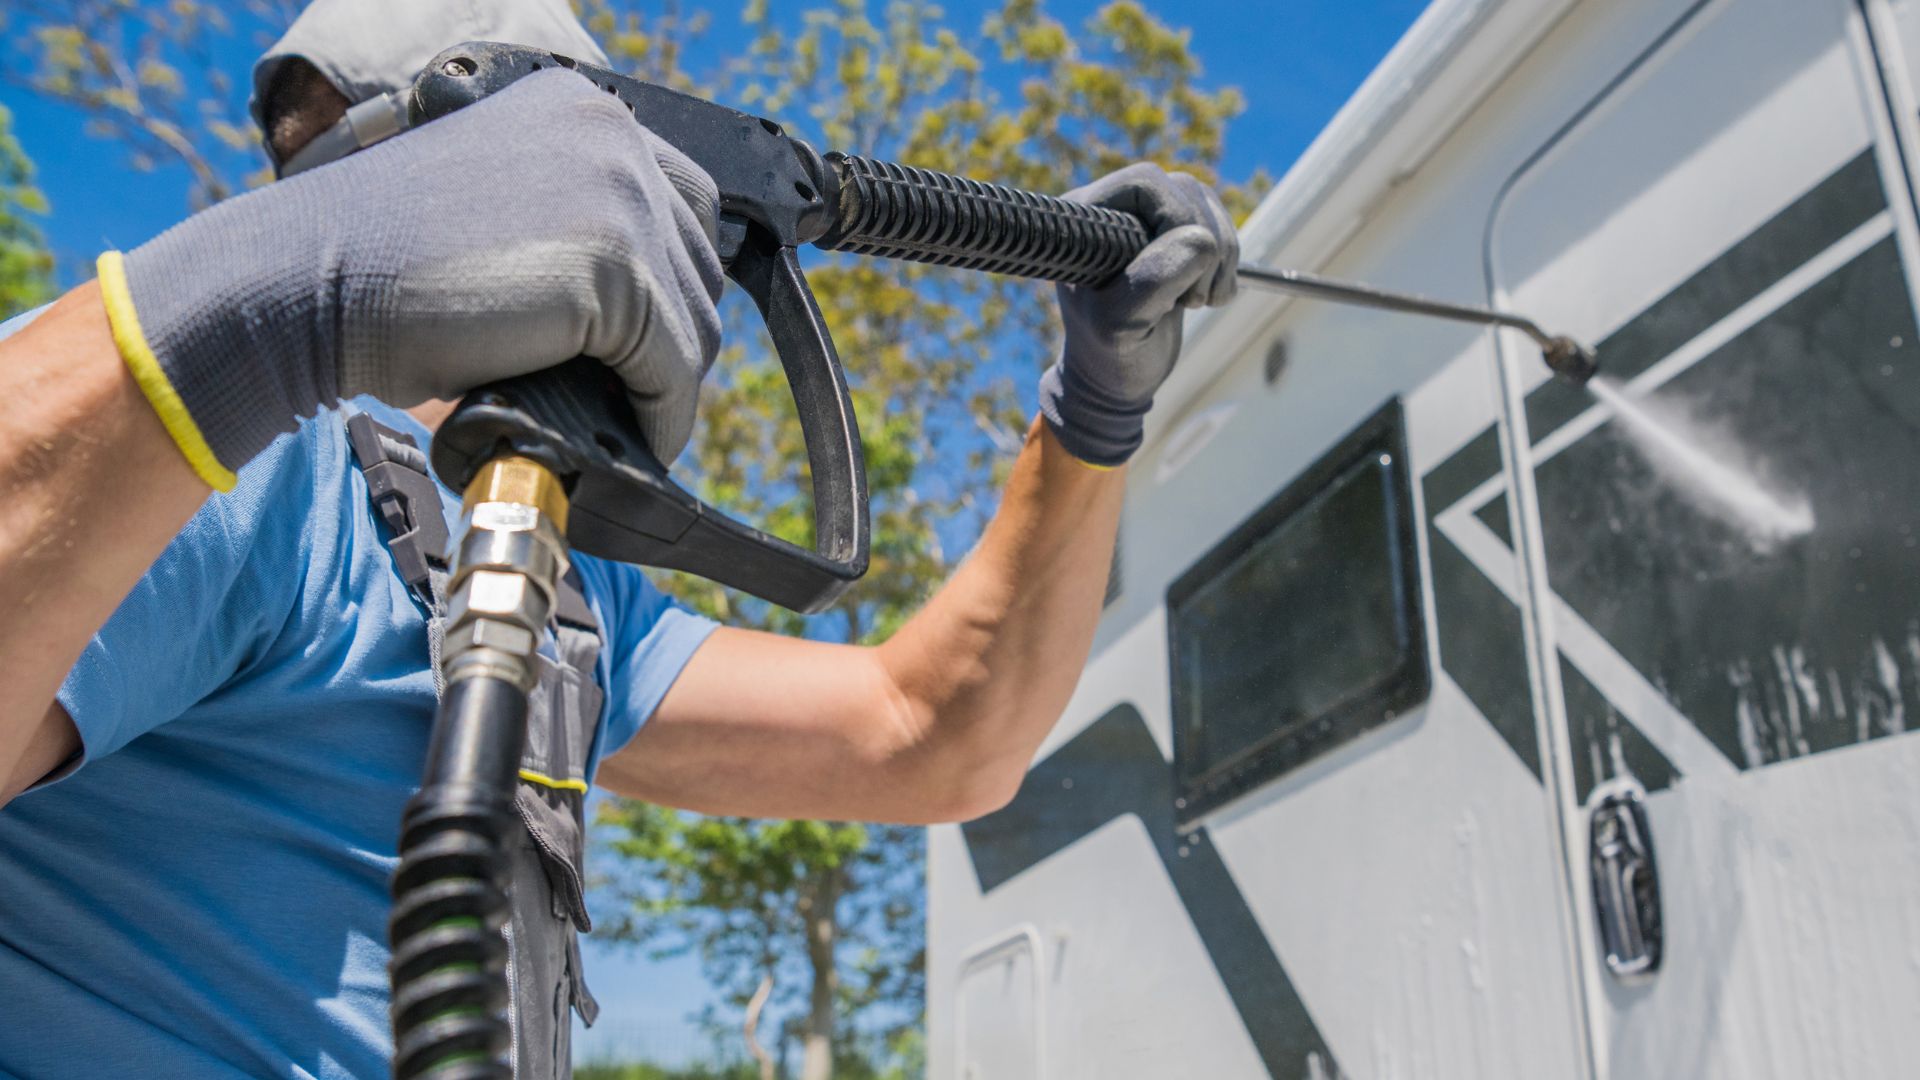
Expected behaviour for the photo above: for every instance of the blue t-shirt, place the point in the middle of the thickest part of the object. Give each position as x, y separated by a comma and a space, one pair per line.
206, 895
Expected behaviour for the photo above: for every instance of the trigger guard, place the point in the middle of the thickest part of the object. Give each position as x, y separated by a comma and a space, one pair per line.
771, 275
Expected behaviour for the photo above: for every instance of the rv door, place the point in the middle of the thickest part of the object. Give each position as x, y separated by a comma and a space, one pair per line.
1730, 536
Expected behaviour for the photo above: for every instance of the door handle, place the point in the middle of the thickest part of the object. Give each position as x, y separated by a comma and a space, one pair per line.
1626, 884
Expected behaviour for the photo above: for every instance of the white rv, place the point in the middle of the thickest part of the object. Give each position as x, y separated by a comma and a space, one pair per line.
1448, 720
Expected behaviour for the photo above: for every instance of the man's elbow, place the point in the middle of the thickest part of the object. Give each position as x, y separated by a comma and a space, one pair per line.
974, 791
961, 760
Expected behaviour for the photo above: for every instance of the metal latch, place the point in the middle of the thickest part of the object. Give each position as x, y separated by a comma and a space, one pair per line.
1626, 886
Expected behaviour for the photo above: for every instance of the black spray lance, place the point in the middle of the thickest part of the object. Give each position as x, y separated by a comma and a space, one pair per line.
553, 461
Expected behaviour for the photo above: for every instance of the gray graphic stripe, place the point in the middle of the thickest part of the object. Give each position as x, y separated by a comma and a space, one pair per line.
1112, 769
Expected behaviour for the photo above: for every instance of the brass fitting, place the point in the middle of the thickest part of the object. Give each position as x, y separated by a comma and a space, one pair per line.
519, 480
509, 556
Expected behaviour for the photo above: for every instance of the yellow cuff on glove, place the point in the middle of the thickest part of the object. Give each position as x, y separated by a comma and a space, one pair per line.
152, 379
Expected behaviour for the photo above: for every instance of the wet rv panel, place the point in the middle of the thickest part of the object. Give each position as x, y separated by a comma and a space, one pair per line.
1480, 643
1605, 745
1776, 643
1731, 540
1649, 566
1113, 769
1303, 628
1844, 201
1774, 646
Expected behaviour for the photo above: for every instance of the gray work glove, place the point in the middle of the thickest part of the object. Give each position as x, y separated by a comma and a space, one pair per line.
537, 225
1124, 336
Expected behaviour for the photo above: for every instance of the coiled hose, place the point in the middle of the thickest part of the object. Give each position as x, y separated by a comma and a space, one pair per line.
450, 992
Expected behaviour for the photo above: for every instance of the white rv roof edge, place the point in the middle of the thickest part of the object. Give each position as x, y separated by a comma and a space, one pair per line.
1450, 58
1364, 122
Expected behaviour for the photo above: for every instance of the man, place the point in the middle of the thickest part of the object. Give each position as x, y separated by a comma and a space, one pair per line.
216, 706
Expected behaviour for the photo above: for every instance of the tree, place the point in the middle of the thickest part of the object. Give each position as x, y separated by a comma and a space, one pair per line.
830, 913
937, 359
26, 268
159, 78
941, 362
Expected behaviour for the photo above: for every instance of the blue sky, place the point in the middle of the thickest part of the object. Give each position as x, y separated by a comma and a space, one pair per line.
1297, 61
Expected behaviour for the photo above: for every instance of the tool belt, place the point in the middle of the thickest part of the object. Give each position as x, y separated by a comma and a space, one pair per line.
546, 885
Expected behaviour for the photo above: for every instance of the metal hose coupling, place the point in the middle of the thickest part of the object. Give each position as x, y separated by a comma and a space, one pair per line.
509, 556
450, 989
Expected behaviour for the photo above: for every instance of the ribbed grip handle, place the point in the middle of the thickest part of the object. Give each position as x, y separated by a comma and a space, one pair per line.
901, 212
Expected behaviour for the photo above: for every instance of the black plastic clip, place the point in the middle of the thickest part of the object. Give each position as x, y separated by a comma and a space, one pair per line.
407, 499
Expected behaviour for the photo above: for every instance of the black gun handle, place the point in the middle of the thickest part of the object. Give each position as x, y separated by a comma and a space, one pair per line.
902, 212
575, 419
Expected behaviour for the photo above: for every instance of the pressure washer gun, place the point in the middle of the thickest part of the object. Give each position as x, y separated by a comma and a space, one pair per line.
554, 461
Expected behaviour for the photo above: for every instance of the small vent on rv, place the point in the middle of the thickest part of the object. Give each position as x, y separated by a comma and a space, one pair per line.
1276, 362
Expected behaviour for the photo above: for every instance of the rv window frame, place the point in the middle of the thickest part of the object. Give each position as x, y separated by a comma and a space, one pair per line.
1405, 686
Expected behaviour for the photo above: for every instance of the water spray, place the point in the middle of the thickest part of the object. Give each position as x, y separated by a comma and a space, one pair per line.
1732, 493
1721, 487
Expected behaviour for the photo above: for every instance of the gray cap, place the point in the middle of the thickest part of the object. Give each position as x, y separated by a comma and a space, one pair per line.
366, 48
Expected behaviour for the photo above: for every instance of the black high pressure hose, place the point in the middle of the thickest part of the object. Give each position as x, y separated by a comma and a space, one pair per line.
451, 994
449, 894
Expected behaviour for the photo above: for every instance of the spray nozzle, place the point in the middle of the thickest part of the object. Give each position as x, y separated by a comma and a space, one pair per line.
1570, 360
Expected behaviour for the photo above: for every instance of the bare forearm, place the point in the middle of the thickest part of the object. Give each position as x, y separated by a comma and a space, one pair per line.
936, 724
989, 663
91, 490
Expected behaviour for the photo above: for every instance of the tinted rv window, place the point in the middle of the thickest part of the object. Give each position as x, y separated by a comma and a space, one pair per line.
1303, 628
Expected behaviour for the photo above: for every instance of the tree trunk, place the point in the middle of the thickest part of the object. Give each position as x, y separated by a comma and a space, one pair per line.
823, 931
752, 1027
